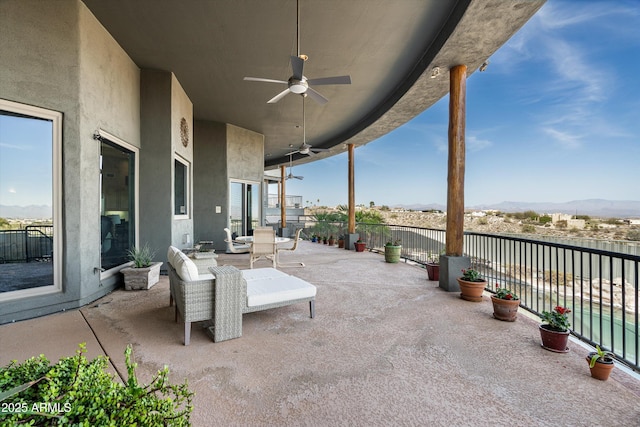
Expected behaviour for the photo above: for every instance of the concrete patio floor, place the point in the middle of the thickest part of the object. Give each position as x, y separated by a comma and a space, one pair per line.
387, 347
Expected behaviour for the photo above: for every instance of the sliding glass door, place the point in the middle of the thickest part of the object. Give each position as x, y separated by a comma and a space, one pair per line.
244, 207
117, 217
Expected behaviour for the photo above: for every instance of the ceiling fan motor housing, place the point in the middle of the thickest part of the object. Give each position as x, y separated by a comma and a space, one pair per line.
298, 85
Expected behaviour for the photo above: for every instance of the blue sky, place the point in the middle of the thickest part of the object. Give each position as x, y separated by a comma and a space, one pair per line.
25, 161
554, 118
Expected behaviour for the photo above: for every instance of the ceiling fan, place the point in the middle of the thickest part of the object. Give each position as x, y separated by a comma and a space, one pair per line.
298, 83
306, 148
291, 175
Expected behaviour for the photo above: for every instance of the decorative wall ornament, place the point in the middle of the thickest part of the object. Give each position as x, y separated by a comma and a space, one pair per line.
184, 132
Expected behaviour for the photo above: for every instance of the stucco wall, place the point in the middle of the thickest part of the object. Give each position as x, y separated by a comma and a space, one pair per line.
245, 154
181, 106
164, 103
109, 99
46, 62
210, 182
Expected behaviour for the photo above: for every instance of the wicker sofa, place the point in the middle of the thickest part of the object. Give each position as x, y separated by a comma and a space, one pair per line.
225, 293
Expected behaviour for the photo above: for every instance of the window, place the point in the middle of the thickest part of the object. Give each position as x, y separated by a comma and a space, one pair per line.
30, 200
181, 188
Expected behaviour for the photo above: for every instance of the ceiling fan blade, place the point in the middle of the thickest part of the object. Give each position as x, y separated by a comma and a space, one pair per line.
279, 96
316, 96
292, 153
318, 150
337, 80
297, 65
260, 79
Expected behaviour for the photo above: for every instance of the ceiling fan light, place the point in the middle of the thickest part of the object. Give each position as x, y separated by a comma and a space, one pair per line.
304, 151
298, 88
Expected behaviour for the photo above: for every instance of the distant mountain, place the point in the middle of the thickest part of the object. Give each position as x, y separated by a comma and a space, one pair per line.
591, 207
31, 211
420, 207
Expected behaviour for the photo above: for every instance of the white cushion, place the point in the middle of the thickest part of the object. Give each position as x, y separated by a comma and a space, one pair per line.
171, 255
262, 273
185, 268
272, 290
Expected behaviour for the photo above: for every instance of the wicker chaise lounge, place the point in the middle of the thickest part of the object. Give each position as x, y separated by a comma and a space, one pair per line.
225, 293
247, 291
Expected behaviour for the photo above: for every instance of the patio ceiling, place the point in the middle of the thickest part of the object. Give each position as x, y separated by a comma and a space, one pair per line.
387, 47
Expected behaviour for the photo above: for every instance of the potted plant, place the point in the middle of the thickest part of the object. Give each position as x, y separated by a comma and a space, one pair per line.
341, 241
505, 305
433, 266
325, 240
555, 333
332, 241
314, 238
360, 245
144, 273
392, 251
471, 285
600, 363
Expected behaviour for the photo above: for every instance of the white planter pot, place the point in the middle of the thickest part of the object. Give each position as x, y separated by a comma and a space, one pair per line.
141, 278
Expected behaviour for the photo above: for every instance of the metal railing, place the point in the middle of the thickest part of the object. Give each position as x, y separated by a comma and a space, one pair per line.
601, 287
34, 242
290, 201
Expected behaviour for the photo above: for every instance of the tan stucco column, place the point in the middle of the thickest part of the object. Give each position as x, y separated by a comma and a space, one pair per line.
453, 262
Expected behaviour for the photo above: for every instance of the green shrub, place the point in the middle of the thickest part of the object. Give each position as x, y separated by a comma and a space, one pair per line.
76, 391
634, 235
528, 228
545, 219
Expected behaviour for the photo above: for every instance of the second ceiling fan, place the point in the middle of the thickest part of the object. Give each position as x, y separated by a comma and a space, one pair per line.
305, 148
298, 83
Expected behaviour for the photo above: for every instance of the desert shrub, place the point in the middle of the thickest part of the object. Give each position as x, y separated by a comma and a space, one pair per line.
634, 235
561, 224
76, 391
483, 221
528, 228
544, 219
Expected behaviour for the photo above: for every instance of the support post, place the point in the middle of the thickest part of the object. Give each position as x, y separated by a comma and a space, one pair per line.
351, 236
283, 198
455, 180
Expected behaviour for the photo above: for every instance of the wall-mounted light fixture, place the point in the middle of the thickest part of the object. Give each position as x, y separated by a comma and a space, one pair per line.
435, 72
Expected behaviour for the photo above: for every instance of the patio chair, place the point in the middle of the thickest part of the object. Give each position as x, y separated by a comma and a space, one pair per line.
235, 248
292, 248
263, 246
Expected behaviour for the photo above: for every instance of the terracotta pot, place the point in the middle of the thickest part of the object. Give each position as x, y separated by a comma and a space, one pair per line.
360, 246
505, 309
341, 243
471, 291
331, 242
601, 370
433, 270
553, 340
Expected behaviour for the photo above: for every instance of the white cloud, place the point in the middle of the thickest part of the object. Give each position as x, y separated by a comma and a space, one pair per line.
474, 143
564, 138
15, 146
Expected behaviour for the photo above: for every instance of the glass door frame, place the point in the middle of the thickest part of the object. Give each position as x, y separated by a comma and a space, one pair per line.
136, 192
256, 199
